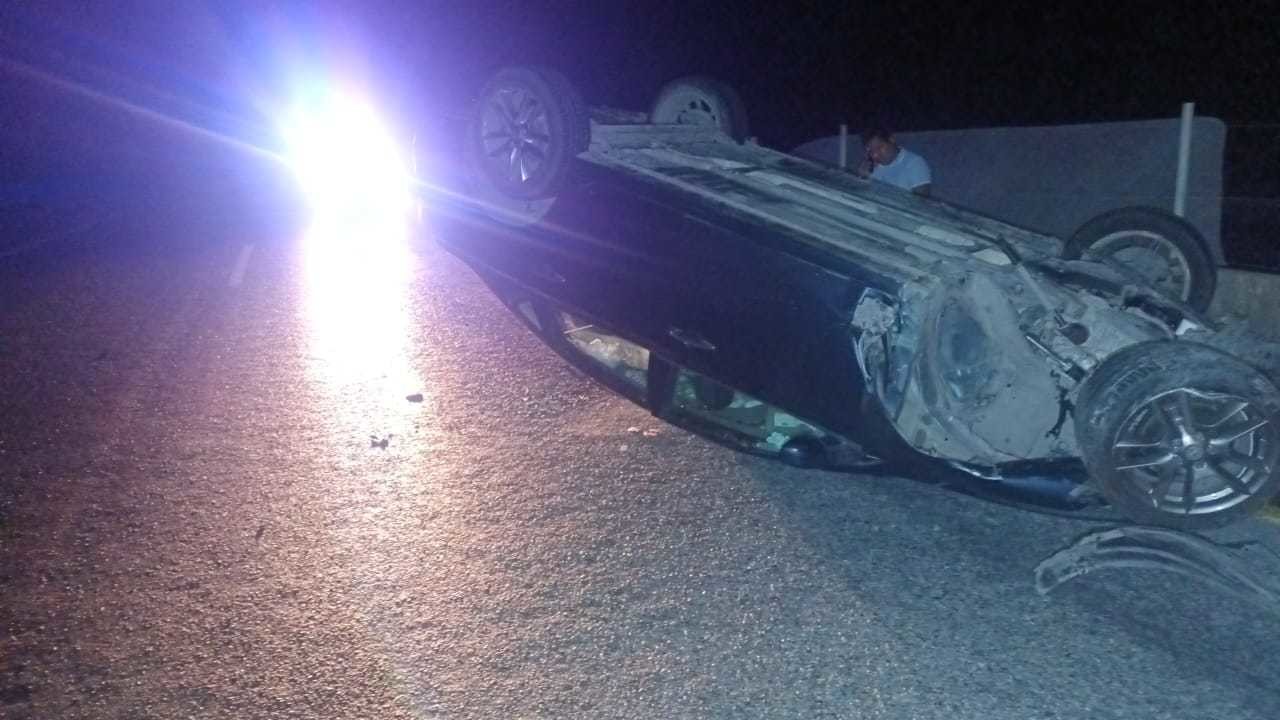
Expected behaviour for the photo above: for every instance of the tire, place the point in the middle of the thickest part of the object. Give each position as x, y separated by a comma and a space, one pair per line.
1133, 412
700, 100
527, 127
1162, 248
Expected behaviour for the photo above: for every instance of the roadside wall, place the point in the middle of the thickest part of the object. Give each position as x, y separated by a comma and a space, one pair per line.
1055, 178
1249, 295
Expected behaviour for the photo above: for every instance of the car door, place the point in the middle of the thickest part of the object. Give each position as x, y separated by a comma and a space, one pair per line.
604, 257
585, 253
697, 287
748, 307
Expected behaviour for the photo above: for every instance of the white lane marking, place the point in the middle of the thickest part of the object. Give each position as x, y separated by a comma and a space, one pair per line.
242, 262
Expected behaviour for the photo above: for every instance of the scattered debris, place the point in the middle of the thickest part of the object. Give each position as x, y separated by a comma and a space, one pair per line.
1222, 566
414, 398
380, 443
647, 432
258, 535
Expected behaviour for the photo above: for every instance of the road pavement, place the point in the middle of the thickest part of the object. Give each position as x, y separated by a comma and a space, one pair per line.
249, 470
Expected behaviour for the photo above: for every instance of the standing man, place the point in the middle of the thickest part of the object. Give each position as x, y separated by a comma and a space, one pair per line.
891, 163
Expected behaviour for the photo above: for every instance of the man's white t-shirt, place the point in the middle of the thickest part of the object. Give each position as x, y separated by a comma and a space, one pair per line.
908, 170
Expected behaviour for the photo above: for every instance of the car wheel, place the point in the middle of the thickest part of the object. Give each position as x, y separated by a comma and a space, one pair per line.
1180, 434
528, 125
701, 100
1163, 249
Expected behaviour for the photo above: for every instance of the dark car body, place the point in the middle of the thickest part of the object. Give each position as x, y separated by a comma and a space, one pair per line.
794, 310
724, 301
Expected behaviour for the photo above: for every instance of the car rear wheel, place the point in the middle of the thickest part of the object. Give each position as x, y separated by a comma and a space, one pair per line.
528, 125
700, 100
1180, 434
1164, 250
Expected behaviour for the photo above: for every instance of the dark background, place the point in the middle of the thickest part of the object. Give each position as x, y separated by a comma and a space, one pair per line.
802, 67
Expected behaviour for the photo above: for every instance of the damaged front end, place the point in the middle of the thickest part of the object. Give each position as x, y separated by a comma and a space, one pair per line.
979, 368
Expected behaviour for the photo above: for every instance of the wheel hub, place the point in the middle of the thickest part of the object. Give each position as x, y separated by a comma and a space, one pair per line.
1193, 453
1193, 448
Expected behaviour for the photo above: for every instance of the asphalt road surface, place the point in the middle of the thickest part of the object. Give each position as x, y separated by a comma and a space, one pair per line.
218, 500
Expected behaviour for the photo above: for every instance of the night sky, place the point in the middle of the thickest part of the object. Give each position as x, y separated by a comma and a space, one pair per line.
802, 67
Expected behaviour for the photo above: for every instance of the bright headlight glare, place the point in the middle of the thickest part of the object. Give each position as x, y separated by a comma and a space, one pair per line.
346, 159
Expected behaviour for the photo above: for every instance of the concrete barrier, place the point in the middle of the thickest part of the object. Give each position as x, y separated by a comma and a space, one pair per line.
1252, 296
1055, 178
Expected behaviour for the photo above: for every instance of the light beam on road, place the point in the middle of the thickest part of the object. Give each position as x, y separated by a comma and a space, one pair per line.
357, 310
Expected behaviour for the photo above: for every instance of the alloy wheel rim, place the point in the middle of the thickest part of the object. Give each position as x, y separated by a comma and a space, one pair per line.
1150, 255
695, 109
515, 136
1188, 452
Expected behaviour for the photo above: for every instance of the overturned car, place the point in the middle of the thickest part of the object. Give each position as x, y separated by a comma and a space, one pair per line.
792, 310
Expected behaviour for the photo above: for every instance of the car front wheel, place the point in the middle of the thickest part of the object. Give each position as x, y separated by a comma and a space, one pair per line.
1180, 434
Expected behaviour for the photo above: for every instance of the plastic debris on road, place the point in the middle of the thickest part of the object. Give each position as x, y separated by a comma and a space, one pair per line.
1222, 566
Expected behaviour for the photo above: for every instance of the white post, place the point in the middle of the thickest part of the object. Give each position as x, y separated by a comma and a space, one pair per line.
1184, 160
844, 146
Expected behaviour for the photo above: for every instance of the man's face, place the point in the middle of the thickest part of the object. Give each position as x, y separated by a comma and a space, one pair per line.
882, 150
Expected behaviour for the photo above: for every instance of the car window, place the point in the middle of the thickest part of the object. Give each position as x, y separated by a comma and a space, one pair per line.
621, 358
